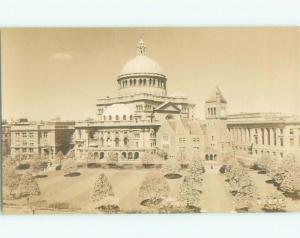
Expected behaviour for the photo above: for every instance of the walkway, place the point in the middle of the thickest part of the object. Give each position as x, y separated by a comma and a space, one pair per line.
215, 198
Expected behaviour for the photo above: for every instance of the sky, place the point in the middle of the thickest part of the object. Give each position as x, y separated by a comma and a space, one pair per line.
49, 73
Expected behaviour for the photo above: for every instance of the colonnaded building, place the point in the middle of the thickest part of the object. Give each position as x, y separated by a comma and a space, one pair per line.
144, 118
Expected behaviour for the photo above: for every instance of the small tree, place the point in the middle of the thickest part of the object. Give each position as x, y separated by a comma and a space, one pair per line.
59, 157
195, 170
275, 202
112, 159
11, 182
291, 182
246, 197
38, 165
70, 167
153, 189
102, 188
148, 159
189, 193
102, 196
28, 186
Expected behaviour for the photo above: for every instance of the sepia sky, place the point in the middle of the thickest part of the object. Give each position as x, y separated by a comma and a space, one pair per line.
61, 72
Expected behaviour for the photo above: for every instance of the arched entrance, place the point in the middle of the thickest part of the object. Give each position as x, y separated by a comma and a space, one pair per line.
215, 157
206, 157
130, 155
136, 155
211, 157
96, 155
102, 155
124, 155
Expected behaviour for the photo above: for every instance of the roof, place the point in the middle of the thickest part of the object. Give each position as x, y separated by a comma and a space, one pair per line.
185, 126
141, 64
216, 95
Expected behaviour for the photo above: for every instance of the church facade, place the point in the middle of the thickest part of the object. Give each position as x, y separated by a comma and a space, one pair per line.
142, 117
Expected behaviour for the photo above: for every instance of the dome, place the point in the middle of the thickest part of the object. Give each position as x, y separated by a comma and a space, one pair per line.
141, 64
117, 110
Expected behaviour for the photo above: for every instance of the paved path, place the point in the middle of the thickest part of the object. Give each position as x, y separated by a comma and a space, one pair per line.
215, 197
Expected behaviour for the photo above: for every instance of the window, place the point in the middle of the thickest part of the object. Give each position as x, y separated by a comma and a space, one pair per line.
182, 140
130, 117
24, 134
24, 143
31, 134
136, 135
281, 131
291, 141
31, 144
274, 154
24, 150
124, 117
137, 144
256, 140
45, 134
104, 118
109, 117
281, 141
30, 150
17, 134
281, 154
291, 131
117, 118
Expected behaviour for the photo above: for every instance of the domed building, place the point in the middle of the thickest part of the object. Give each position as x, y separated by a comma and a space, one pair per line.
127, 125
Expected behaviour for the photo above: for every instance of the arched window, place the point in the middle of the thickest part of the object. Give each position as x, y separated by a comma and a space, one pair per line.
208, 111
101, 155
153, 81
101, 142
124, 117
140, 82
117, 118
109, 117
104, 118
134, 82
130, 117
124, 155
125, 141
214, 111
126, 83
108, 142
144, 82
130, 82
117, 142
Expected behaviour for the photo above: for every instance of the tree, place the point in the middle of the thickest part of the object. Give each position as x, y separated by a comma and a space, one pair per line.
71, 154
38, 165
246, 197
59, 157
148, 159
291, 182
11, 181
70, 167
102, 188
102, 196
195, 170
112, 158
189, 193
28, 186
153, 189
275, 202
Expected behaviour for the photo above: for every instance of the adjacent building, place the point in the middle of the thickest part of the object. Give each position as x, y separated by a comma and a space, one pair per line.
41, 139
5, 138
259, 134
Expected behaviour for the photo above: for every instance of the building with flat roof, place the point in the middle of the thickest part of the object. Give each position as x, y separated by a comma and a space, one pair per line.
29, 139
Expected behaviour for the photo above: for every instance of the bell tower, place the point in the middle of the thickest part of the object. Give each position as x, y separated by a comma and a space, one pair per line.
216, 115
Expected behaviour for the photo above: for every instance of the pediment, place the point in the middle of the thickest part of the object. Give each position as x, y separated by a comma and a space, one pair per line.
167, 107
